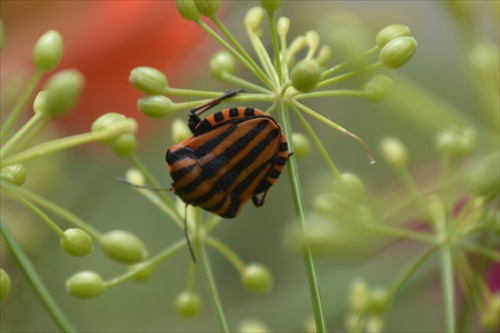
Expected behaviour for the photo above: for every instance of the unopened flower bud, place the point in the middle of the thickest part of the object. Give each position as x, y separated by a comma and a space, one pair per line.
301, 145
391, 32
394, 151
124, 247
398, 51
222, 62
257, 278
76, 242
156, 106
188, 10
48, 50
305, 75
85, 284
188, 304
283, 25
14, 174
63, 90
271, 5
254, 18
124, 145
112, 125
208, 8
149, 80
4, 284
378, 87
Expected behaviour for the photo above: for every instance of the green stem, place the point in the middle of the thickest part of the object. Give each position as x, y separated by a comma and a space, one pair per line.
293, 173
332, 93
447, 282
20, 104
20, 134
35, 281
239, 82
277, 55
212, 288
226, 252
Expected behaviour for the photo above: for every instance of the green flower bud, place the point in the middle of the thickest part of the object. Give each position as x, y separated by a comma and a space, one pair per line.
14, 174
134, 176
379, 300
113, 125
48, 50
253, 326
254, 18
454, 141
350, 187
283, 25
85, 284
271, 5
156, 106
301, 145
391, 32
359, 296
312, 39
486, 176
398, 52
378, 87
149, 80
125, 145
76, 242
325, 54
222, 62
394, 151
39, 102
63, 90
257, 278
188, 10
375, 324
306, 74
207, 8
188, 304
144, 271
4, 284
180, 131
123, 247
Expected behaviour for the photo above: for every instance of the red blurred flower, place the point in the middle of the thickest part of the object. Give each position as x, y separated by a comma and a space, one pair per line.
105, 40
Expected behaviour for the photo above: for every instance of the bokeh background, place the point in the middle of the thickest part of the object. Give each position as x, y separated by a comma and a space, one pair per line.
105, 40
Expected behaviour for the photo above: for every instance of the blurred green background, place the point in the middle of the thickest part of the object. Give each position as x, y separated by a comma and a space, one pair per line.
83, 180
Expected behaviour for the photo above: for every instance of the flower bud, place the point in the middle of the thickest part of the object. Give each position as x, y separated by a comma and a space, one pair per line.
222, 62
350, 187
271, 5
305, 75
257, 278
253, 326
359, 296
456, 141
4, 284
149, 80
134, 176
325, 54
123, 247
125, 145
301, 145
398, 51
380, 300
312, 39
85, 284
486, 176
378, 87
14, 174
283, 25
394, 151
391, 32
188, 10
254, 18
157, 106
76, 242
180, 131
48, 50
63, 90
188, 304
375, 324
113, 125
207, 8
39, 102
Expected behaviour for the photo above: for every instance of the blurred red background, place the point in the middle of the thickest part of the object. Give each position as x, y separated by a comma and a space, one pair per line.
104, 40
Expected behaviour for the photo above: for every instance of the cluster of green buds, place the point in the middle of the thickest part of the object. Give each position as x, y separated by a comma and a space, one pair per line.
21, 144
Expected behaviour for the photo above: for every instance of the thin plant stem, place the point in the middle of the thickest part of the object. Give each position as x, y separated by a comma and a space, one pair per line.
277, 55
20, 104
20, 134
226, 252
36, 282
212, 287
293, 174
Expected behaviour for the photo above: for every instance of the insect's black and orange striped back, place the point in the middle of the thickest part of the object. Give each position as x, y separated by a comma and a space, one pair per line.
232, 156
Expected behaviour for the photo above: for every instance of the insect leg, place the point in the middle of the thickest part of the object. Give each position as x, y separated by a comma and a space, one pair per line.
191, 251
259, 202
194, 114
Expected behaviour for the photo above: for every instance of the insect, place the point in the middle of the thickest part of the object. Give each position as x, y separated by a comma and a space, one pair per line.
234, 155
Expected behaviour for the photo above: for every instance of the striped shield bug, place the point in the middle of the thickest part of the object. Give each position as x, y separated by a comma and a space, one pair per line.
234, 155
